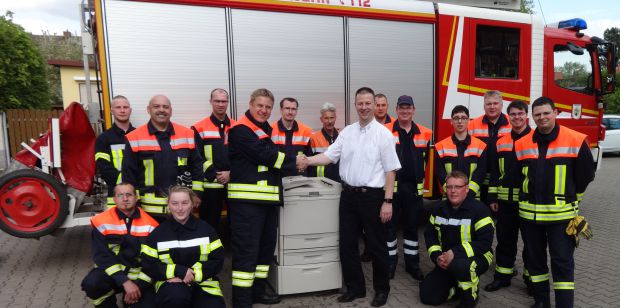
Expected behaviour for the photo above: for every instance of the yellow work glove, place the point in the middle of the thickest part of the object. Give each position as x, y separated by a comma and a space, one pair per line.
579, 226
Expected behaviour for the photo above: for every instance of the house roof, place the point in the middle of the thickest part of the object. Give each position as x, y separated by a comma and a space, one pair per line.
69, 63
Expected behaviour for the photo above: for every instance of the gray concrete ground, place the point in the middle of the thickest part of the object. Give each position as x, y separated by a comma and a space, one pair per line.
48, 272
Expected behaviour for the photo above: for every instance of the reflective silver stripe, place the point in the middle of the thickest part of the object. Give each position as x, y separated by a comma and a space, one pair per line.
181, 141
472, 151
505, 146
563, 150
420, 142
183, 244
447, 151
279, 160
527, 152
392, 243
452, 222
259, 133
411, 243
253, 188
300, 139
319, 149
141, 229
207, 133
106, 227
277, 138
410, 251
143, 143
479, 131
504, 130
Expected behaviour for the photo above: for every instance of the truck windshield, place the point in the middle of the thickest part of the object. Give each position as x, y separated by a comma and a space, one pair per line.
572, 70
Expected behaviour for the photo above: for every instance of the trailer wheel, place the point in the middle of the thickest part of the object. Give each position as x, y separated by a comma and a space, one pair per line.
32, 203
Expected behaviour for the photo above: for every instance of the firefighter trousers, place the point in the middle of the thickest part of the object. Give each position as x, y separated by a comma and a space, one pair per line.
408, 209
463, 273
180, 295
507, 232
360, 211
211, 207
561, 249
101, 289
253, 235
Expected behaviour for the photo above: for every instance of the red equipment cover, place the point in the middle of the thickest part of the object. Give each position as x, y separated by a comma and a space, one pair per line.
77, 143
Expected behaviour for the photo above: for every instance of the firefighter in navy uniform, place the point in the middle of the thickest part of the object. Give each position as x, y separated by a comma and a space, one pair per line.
289, 135
461, 152
254, 193
412, 144
183, 255
322, 139
488, 127
110, 145
116, 238
458, 238
557, 166
161, 154
504, 199
211, 141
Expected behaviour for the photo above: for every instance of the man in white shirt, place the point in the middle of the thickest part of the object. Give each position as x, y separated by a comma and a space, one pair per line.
368, 163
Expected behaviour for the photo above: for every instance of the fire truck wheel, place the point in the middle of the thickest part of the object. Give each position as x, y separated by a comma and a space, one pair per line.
32, 203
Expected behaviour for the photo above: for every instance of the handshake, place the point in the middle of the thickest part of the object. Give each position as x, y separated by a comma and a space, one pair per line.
301, 162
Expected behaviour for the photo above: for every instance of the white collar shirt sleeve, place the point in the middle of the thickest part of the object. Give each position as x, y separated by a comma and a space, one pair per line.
365, 154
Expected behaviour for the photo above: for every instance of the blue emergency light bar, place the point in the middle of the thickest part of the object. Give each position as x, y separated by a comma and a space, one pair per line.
573, 24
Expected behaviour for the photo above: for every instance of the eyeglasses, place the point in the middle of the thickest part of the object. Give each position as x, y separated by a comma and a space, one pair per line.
460, 119
455, 187
128, 195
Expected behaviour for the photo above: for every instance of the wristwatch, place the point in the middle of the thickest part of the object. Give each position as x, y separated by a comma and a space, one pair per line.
388, 200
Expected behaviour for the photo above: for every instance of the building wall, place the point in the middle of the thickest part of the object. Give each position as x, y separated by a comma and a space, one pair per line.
71, 86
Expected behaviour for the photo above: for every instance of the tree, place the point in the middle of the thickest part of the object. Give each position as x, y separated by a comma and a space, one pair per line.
527, 6
612, 101
23, 75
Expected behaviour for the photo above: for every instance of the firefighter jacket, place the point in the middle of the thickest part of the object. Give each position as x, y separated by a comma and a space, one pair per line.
468, 156
505, 174
319, 142
116, 241
109, 157
173, 248
255, 163
488, 132
467, 230
412, 150
295, 141
211, 136
155, 161
556, 170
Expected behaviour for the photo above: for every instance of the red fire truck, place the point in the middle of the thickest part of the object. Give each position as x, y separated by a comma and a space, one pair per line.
319, 51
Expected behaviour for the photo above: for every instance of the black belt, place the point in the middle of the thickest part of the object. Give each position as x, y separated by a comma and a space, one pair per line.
360, 189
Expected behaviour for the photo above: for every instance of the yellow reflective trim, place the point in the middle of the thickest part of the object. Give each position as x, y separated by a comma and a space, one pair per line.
154, 209
242, 283
206, 165
197, 185
212, 185
208, 152
98, 301
448, 167
181, 161
253, 196
215, 245
468, 249
279, 160
483, 222
197, 268
116, 248
147, 250
170, 270
253, 188
149, 179
262, 168
320, 172
113, 269
489, 256
102, 155
526, 179
474, 186
501, 168
242, 275
540, 278
551, 208
472, 169
564, 285
117, 159
434, 248
504, 270
560, 179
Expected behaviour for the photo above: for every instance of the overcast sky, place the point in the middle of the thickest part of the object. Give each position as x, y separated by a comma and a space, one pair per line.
55, 16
